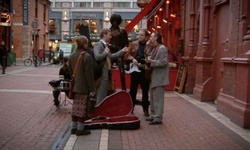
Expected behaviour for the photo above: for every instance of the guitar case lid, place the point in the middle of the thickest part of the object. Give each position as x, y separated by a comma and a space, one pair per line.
114, 113
116, 104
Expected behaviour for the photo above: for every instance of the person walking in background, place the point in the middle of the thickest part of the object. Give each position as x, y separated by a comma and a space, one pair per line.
51, 54
40, 54
137, 55
3, 54
159, 78
83, 87
61, 55
65, 72
103, 55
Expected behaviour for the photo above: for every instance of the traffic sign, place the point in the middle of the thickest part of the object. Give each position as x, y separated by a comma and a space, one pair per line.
34, 24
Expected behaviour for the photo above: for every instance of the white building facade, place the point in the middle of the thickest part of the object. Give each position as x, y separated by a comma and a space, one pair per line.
68, 18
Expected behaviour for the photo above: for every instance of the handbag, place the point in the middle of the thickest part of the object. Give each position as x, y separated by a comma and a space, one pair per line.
72, 82
91, 102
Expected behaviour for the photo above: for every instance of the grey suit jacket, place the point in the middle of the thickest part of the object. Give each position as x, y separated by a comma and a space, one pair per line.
100, 55
160, 68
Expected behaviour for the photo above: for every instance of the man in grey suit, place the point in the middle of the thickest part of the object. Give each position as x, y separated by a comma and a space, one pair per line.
158, 61
103, 55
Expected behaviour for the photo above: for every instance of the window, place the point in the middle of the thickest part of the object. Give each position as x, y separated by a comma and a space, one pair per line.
66, 4
93, 26
76, 26
82, 4
121, 4
135, 5
58, 4
98, 4
52, 26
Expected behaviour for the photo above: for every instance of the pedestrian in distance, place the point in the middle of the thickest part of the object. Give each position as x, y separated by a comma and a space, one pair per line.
40, 54
158, 62
136, 56
104, 56
61, 55
3, 54
84, 85
51, 54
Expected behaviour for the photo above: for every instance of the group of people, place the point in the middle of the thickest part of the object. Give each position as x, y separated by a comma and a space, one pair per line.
147, 50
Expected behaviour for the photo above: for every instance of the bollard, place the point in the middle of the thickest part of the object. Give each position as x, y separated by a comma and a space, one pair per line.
4, 64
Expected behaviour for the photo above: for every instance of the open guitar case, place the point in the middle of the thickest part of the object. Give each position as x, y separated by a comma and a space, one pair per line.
114, 112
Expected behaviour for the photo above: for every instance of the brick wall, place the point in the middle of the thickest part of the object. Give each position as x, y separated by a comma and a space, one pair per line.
23, 34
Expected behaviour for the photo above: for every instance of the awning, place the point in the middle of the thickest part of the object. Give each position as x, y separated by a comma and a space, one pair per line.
149, 9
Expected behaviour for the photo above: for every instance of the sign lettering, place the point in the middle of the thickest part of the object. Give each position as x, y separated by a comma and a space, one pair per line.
25, 12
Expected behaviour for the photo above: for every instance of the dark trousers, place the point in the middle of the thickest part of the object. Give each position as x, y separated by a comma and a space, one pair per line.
138, 78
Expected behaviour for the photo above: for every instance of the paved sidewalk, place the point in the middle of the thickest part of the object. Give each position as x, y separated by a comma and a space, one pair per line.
188, 124
29, 120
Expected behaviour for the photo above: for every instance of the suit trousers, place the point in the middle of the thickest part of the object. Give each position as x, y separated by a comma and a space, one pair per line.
138, 78
157, 102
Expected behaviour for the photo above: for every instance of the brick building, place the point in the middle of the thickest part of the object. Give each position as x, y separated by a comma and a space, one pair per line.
217, 53
213, 37
30, 26
5, 22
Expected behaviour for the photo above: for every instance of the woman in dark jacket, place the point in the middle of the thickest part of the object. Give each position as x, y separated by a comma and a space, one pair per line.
83, 86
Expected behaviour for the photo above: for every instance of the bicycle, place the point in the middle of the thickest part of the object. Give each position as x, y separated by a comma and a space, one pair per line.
29, 61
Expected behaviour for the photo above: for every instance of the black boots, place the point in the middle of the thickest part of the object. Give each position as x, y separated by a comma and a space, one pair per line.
56, 94
145, 110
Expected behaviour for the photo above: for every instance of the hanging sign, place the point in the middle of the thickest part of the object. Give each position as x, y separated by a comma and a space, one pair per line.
25, 12
5, 19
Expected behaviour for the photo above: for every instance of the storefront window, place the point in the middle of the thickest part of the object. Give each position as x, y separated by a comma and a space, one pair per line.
52, 27
93, 26
76, 26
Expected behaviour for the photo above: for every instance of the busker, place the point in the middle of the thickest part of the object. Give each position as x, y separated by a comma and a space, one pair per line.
103, 55
64, 71
137, 54
158, 62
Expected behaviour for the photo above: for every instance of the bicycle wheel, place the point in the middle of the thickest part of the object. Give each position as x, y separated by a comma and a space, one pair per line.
38, 62
28, 62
